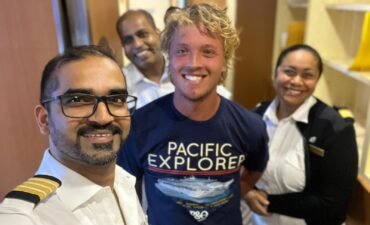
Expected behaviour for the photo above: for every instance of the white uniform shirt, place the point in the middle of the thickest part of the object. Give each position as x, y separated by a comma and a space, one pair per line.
143, 88
285, 171
146, 90
78, 201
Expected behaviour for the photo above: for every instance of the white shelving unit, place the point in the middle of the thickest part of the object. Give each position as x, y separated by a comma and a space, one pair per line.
349, 7
342, 67
297, 3
287, 12
365, 162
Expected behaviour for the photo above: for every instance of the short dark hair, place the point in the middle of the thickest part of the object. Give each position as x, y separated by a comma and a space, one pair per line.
297, 47
169, 11
48, 81
128, 13
172, 8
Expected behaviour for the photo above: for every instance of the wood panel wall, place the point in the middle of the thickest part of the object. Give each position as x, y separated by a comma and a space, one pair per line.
253, 70
103, 16
359, 207
27, 42
221, 3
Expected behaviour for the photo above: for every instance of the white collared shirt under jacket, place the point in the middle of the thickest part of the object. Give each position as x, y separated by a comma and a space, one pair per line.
285, 171
78, 201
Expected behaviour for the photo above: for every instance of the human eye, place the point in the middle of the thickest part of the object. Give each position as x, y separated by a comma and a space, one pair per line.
143, 34
127, 40
117, 99
289, 72
307, 75
77, 100
180, 51
209, 52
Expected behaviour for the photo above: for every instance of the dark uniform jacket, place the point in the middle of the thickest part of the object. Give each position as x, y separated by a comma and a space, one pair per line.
331, 159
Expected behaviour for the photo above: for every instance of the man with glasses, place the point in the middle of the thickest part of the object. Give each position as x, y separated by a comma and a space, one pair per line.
85, 111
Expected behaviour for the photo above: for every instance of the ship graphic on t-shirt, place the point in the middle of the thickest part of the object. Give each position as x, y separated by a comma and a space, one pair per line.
198, 190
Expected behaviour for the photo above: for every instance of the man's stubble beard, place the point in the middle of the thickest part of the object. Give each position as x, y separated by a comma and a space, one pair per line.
74, 151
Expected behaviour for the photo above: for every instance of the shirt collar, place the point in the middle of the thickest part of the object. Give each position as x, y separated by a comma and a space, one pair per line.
300, 115
135, 76
75, 189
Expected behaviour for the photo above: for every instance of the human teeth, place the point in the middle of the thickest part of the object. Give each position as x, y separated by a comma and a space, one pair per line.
98, 135
194, 78
139, 54
294, 92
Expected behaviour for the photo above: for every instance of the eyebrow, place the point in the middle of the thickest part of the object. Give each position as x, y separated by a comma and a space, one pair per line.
135, 33
114, 91
118, 91
294, 67
78, 91
209, 46
184, 44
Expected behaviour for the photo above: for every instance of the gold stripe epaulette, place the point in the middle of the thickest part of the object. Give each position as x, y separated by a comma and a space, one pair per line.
35, 189
345, 113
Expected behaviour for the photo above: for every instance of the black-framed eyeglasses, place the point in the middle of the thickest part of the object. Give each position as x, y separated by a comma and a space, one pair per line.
85, 105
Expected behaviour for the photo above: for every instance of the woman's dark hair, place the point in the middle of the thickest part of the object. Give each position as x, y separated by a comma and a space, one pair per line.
297, 47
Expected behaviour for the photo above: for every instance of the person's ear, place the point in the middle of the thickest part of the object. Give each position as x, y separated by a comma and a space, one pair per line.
224, 68
42, 119
274, 77
223, 75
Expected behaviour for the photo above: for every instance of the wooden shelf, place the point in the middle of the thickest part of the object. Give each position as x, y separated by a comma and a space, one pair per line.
360, 137
349, 7
343, 65
302, 4
298, 5
364, 181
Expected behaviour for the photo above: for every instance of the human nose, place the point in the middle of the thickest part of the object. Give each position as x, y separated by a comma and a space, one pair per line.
297, 79
101, 114
195, 60
138, 42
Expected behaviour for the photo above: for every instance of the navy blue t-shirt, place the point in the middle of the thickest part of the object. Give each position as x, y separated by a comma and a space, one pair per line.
191, 168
